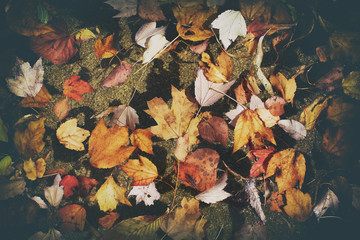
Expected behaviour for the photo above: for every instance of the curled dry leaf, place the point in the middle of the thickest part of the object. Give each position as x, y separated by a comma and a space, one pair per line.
312, 112
214, 129
34, 171
286, 87
220, 72
147, 194
61, 109
118, 75
298, 205
41, 99
29, 142
108, 220
72, 136
74, 87
143, 171
73, 217
105, 48
107, 146
141, 138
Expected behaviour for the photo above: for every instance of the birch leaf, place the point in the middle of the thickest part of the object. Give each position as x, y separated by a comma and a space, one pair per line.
216, 193
72, 136
294, 128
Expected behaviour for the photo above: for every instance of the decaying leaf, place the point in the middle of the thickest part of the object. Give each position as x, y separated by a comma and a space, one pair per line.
216, 193
338, 141
331, 79
252, 194
289, 169
147, 194
219, 72
351, 84
200, 48
250, 129
105, 48
286, 87
328, 201
11, 188
341, 112
298, 205
214, 129
72, 136
149, 10
109, 194
29, 142
41, 99
243, 92
107, 146
141, 138
34, 170
74, 87
73, 217
253, 9
108, 220
312, 112
143, 171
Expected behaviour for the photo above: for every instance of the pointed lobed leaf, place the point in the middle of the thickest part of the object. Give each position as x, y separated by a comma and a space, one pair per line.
105, 48
74, 87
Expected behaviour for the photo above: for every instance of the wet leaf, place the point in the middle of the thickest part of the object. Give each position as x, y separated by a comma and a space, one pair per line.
294, 128
143, 171
72, 136
41, 99
29, 142
118, 75
34, 170
254, 231
351, 84
110, 194
250, 129
126, 8
214, 130
216, 193
341, 112
74, 87
219, 72
147, 194
298, 205
312, 112
337, 141
107, 146
11, 188
108, 220
141, 138
328, 201
105, 48
252, 9
73, 217
86, 184
70, 183
149, 10
287, 87
55, 192
61, 109
288, 167
84, 35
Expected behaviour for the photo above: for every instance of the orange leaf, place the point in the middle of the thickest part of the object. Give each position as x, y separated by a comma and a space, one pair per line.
312, 112
105, 48
33, 170
141, 138
220, 72
108, 220
289, 168
74, 87
250, 128
243, 92
106, 146
73, 217
61, 109
142, 171
298, 205
286, 87
276, 201
41, 99
29, 142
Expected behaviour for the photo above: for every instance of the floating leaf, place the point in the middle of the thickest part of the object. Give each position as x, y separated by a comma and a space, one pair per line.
147, 194
351, 84
73, 217
105, 48
41, 99
72, 136
142, 171
216, 193
219, 72
312, 112
298, 205
141, 138
108, 220
74, 87
34, 171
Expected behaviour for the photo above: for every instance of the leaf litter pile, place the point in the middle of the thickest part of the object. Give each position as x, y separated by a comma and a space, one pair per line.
179, 120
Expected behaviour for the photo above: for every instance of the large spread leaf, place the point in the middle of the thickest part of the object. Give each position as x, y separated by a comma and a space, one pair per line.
72, 136
143, 171
118, 75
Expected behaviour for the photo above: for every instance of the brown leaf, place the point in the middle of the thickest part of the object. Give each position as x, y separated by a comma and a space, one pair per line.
298, 205
286, 87
108, 220
41, 99
105, 48
312, 112
341, 112
338, 141
142, 171
149, 10
220, 72
214, 129
253, 9
73, 217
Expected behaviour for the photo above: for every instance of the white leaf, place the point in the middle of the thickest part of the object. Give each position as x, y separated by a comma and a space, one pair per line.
126, 8
231, 24
54, 193
146, 31
256, 102
328, 201
124, 115
147, 194
253, 195
234, 114
215, 193
205, 90
154, 46
39, 201
27, 80
294, 128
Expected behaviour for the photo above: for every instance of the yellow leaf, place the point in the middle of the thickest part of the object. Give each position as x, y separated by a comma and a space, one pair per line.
105, 48
29, 142
142, 171
72, 136
141, 138
312, 112
34, 171
268, 119
298, 205
285, 86
220, 72
110, 194
84, 35
250, 128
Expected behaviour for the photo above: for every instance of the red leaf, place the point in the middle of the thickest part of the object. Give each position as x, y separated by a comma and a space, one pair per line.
86, 184
57, 47
70, 183
74, 87
260, 166
118, 75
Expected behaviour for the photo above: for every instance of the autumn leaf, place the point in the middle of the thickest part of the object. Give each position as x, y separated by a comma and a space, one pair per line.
288, 167
250, 129
215, 129
109, 194
86, 184
312, 112
41, 99
174, 122
84, 35
61, 109
351, 84
275, 105
118, 75
105, 48
260, 166
29, 142
253, 9
55, 192
216, 193
143, 171
74, 87
72, 136
184, 222
73, 217
268, 119
219, 72
141, 138
276, 201
149, 10
106, 146
338, 140
108, 220
298, 205
34, 170
243, 92
341, 112
286, 87
70, 183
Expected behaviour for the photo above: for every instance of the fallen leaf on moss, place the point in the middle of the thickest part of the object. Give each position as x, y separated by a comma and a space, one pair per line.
219, 72
288, 167
34, 170
6, 165
41, 99
105, 48
268, 119
124, 115
74, 87
108, 220
107, 146
298, 205
29, 142
294, 128
243, 92
61, 109
72, 136
312, 112
287, 87
143, 171
141, 138
110, 194
351, 84
118, 75
70, 183
73, 217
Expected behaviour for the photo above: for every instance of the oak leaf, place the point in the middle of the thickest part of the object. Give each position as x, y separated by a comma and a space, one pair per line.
29, 142
72, 136
298, 205
288, 167
108, 220
34, 170
312, 112
105, 48
143, 171
106, 146
141, 138
73, 217
250, 129
109, 194
41, 99
219, 72
287, 87
74, 87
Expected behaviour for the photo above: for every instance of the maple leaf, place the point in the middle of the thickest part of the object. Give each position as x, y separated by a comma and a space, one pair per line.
289, 169
34, 171
298, 205
73, 217
183, 223
141, 138
27, 81
72, 136
220, 72
118, 75
106, 146
250, 129
29, 142
109, 194
216, 193
74, 87
41, 99
174, 122
287, 87
147, 194
105, 48
61, 109
108, 220
312, 112
70, 183
214, 129
143, 171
